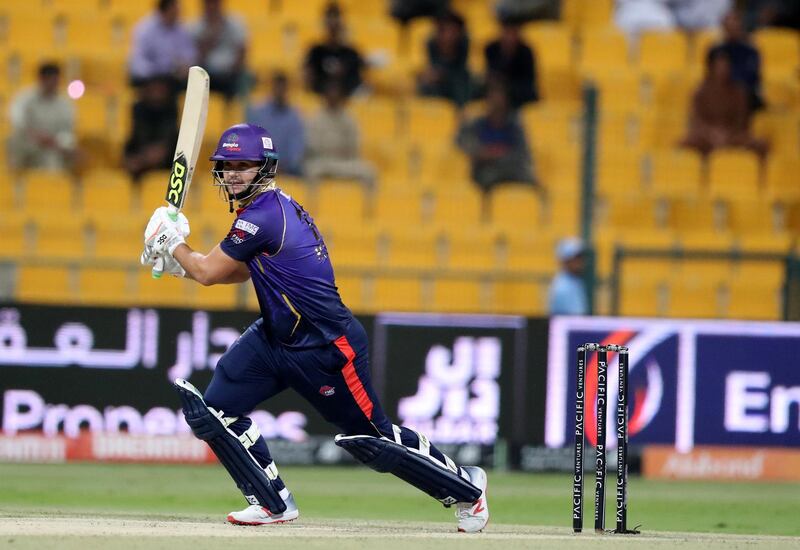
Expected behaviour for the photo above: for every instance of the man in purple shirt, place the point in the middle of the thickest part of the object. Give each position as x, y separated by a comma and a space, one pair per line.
161, 46
305, 339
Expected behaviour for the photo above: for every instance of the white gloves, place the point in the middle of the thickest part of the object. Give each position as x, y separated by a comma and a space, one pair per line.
161, 264
163, 234
161, 237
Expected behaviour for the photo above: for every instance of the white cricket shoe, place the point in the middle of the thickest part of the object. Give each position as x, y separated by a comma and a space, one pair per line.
473, 517
259, 515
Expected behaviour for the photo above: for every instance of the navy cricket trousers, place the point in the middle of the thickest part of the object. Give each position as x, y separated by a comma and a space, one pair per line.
334, 378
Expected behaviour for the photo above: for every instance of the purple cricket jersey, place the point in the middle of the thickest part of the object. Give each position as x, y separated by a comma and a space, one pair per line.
290, 269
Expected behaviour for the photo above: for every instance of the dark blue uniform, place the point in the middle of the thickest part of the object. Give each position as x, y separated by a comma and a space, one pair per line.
306, 338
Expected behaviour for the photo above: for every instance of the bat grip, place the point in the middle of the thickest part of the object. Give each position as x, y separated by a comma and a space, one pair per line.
158, 268
172, 212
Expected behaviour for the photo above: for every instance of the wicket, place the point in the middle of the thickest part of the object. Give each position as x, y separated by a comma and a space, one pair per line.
600, 448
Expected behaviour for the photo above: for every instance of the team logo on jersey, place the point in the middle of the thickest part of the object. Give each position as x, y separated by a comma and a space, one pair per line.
322, 252
246, 226
327, 391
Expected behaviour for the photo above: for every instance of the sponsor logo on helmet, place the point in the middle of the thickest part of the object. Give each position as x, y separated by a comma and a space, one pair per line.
267, 142
327, 391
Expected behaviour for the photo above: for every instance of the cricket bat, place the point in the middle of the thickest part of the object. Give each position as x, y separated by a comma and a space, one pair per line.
190, 137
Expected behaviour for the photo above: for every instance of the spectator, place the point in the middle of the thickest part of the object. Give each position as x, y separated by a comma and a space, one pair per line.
406, 10
43, 125
774, 13
744, 58
496, 144
332, 146
161, 47
567, 294
221, 42
284, 123
720, 114
511, 61
636, 16
154, 132
693, 15
334, 59
521, 11
447, 74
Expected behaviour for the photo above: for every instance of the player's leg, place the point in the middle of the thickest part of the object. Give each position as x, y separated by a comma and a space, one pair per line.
337, 382
242, 379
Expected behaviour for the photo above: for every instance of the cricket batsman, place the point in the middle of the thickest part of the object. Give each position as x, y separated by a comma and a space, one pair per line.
305, 339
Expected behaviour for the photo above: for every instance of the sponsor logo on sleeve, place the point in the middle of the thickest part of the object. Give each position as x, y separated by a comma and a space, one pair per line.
237, 236
244, 225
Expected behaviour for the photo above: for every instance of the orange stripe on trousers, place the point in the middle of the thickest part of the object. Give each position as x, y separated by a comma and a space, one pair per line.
352, 379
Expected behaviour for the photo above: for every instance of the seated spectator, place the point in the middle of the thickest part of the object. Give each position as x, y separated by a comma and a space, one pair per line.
693, 15
567, 294
154, 131
42, 125
634, 17
496, 144
332, 145
720, 115
333, 59
161, 47
406, 10
510, 60
447, 74
221, 42
521, 11
284, 123
744, 58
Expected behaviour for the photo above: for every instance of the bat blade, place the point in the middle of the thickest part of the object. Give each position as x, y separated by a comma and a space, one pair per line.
190, 138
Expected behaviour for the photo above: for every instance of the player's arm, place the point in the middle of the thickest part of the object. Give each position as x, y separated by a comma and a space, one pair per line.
213, 268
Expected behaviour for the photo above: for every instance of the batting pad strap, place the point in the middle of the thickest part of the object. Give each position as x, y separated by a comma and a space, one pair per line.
251, 479
384, 455
250, 436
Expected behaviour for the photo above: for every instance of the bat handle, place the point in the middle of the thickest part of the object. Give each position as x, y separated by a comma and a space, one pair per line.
158, 268
172, 212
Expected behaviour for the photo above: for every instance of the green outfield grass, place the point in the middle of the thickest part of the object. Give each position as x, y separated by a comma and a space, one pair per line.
205, 492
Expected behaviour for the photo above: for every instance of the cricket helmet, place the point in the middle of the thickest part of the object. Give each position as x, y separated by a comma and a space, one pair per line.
246, 142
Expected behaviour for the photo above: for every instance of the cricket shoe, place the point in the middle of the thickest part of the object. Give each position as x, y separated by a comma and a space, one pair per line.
473, 517
259, 515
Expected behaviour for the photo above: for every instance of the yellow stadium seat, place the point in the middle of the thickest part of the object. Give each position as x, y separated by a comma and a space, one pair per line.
60, 238
752, 217
755, 301
96, 32
166, 291
247, 9
48, 193
702, 41
39, 284
340, 203
15, 234
438, 165
429, 120
618, 173
781, 129
462, 207
399, 207
642, 298
413, 50
470, 250
534, 253
92, 115
216, 296
603, 49
118, 238
518, 297
782, 179
32, 32
377, 119
107, 190
769, 273
516, 207
674, 173
559, 85
663, 52
619, 130
733, 175
552, 44
627, 211
354, 247
587, 13
209, 228
151, 191
455, 295
694, 297
715, 239
412, 248
776, 243
556, 125
397, 294
693, 215
351, 290
619, 88
104, 286
779, 49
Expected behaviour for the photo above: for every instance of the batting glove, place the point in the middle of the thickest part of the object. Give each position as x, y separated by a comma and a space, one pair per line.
165, 263
163, 234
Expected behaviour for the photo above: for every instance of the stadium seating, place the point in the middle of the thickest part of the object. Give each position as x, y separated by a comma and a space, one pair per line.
425, 238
